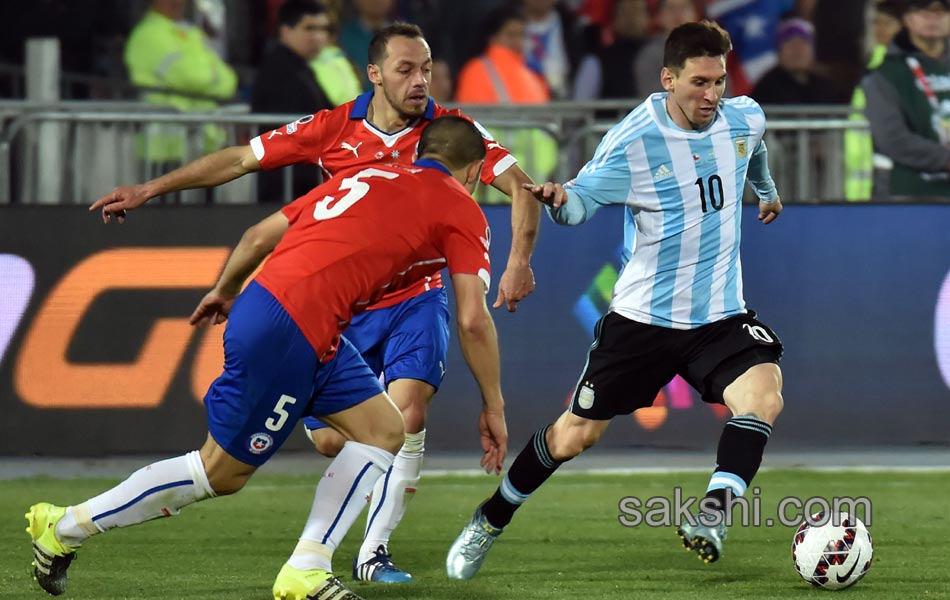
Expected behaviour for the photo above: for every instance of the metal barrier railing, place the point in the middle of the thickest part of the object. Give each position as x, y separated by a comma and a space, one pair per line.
75, 151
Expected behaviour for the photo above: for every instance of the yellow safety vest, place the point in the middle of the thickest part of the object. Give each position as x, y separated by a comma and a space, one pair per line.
858, 146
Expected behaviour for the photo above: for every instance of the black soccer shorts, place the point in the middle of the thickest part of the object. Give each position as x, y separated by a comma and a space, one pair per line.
630, 362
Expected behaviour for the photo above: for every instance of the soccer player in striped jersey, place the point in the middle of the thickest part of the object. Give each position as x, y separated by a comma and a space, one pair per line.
678, 163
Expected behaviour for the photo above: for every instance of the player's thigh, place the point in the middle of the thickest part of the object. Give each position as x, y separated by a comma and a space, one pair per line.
627, 365
266, 385
722, 352
418, 342
344, 385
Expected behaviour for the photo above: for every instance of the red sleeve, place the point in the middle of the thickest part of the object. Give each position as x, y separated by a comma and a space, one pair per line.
299, 141
467, 239
497, 158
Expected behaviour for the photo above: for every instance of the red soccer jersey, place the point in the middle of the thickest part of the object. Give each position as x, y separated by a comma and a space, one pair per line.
353, 239
343, 139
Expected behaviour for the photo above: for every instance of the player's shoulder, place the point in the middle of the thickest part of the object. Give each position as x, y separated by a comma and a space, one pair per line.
742, 104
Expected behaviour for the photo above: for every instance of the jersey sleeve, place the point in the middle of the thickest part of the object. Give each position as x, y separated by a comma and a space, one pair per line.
604, 180
466, 240
300, 141
497, 158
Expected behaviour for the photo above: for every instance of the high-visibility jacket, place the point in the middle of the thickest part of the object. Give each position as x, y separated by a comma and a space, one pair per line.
858, 146
336, 75
173, 57
500, 76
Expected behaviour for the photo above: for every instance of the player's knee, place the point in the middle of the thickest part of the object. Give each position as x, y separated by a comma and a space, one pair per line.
415, 417
327, 441
565, 444
225, 484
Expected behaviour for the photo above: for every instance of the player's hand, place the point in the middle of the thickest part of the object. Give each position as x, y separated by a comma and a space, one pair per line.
494, 434
552, 194
516, 283
770, 211
213, 308
120, 200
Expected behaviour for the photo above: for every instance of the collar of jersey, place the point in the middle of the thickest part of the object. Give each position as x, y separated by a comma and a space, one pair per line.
361, 107
429, 163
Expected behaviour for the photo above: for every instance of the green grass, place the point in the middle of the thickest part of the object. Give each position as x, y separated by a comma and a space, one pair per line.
565, 543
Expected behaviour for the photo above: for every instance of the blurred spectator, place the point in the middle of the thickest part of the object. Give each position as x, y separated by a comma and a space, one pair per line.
670, 14
885, 23
338, 77
357, 32
908, 104
499, 75
606, 70
792, 80
286, 84
554, 44
840, 49
440, 87
752, 25
170, 62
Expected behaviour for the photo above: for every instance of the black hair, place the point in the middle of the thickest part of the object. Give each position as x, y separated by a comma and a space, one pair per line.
691, 40
377, 46
453, 140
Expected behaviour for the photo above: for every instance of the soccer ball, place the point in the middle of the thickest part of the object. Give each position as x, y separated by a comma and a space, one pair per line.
832, 556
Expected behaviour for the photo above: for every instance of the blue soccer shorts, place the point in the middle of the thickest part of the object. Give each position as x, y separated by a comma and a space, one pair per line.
409, 340
272, 379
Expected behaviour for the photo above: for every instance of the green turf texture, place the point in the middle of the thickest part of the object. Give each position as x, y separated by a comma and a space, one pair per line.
566, 542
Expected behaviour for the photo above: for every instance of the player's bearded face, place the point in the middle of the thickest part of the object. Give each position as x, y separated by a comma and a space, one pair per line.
406, 73
696, 90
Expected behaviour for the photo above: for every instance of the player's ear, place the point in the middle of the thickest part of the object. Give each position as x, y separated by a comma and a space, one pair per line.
666, 78
473, 172
374, 75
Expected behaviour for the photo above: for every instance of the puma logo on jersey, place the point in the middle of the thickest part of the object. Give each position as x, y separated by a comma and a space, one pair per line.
493, 145
353, 149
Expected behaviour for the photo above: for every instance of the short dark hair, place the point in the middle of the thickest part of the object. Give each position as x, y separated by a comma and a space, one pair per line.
377, 46
292, 11
691, 40
454, 140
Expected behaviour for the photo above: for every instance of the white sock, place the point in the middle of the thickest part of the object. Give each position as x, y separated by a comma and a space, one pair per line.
340, 497
161, 489
392, 494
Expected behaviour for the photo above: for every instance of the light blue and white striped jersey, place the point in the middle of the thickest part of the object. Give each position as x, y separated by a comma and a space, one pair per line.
682, 190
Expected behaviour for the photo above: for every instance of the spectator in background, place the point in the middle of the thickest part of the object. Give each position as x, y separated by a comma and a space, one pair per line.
440, 88
793, 80
499, 75
286, 84
554, 44
885, 23
171, 63
357, 32
908, 104
605, 72
670, 14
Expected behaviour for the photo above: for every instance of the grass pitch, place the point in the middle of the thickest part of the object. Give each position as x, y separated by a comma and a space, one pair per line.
566, 542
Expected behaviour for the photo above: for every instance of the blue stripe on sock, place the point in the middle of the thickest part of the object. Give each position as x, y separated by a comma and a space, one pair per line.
144, 494
510, 493
541, 449
381, 500
738, 485
346, 501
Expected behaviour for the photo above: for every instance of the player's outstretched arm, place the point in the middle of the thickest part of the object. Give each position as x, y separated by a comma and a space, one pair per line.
213, 169
256, 243
479, 343
518, 279
550, 193
769, 211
